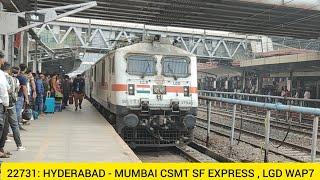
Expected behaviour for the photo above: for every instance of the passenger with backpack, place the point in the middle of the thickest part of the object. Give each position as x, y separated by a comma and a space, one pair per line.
11, 110
4, 104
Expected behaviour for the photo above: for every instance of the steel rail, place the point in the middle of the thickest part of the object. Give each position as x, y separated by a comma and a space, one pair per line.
260, 136
250, 143
275, 124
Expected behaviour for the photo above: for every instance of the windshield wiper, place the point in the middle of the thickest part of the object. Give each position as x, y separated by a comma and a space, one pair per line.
146, 70
172, 72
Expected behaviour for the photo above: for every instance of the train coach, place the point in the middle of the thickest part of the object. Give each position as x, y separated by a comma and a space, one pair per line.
148, 90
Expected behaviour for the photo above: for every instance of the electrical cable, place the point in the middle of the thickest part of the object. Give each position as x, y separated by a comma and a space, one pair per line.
241, 125
288, 130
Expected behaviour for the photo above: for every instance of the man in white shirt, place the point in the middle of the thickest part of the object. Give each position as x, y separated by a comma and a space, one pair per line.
307, 95
4, 99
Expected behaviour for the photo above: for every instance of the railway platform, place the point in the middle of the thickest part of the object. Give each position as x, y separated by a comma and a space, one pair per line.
71, 136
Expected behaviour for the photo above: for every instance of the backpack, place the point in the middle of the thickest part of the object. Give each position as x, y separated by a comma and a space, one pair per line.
13, 91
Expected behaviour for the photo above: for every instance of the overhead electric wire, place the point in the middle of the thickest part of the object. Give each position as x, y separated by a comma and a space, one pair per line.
287, 14
261, 13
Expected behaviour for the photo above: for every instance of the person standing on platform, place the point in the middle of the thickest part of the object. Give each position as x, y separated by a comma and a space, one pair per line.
78, 91
66, 90
53, 85
307, 96
23, 97
40, 92
46, 87
4, 104
11, 110
31, 85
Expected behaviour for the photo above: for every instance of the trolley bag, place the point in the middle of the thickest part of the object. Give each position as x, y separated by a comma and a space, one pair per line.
71, 99
49, 106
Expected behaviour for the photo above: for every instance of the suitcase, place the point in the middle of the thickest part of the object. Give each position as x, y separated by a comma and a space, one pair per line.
49, 106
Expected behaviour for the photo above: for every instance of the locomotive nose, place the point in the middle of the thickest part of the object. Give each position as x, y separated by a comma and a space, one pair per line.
189, 121
131, 120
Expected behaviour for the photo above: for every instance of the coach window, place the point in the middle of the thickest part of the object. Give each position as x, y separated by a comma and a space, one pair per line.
141, 65
177, 67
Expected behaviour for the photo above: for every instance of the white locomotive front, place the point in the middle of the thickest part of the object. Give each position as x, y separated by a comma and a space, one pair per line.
149, 90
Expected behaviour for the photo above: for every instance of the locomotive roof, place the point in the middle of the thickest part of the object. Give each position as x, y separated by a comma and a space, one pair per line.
155, 48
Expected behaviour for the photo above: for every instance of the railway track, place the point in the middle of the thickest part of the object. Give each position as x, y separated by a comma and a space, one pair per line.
251, 118
192, 152
197, 153
288, 150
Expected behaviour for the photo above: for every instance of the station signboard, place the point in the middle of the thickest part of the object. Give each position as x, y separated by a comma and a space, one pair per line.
34, 17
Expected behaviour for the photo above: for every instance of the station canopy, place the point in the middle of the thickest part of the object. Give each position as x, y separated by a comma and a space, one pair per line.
249, 17
295, 18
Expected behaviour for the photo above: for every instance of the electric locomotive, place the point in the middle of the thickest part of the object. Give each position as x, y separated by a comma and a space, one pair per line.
148, 90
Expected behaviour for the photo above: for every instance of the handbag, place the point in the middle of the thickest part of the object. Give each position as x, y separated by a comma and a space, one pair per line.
27, 113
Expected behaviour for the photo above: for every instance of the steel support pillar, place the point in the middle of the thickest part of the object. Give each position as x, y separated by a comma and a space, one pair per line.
21, 50
243, 81
1, 42
314, 139
40, 66
267, 136
25, 41
209, 122
233, 125
6, 48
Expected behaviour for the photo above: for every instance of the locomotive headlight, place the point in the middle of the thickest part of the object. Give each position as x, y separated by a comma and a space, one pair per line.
131, 89
186, 91
189, 121
131, 120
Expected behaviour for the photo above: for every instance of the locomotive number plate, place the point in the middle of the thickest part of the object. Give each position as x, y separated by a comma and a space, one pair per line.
159, 80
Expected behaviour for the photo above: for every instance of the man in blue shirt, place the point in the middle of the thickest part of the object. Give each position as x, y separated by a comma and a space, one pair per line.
40, 92
23, 93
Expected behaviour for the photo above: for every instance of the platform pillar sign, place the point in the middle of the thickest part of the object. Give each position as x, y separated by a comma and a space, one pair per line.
209, 122
233, 125
267, 135
314, 138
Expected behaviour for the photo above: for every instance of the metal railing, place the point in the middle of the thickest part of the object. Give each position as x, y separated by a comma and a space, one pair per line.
209, 97
314, 103
262, 98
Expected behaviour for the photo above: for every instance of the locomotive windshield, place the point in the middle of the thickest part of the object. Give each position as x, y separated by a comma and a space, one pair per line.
141, 65
177, 67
